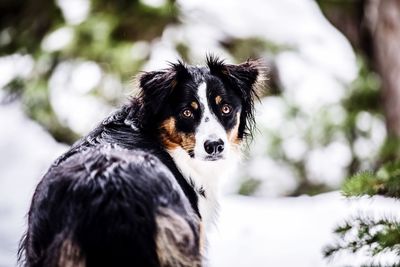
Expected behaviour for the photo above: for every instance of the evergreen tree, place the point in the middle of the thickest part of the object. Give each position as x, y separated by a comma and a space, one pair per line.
363, 233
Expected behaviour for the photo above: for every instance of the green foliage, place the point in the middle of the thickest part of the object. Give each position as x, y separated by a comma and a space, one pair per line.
308, 188
390, 150
386, 181
364, 94
361, 233
362, 183
249, 187
242, 49
36, 104
183, 51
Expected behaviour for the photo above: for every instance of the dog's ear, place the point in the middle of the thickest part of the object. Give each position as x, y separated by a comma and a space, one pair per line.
247, 79
156, 87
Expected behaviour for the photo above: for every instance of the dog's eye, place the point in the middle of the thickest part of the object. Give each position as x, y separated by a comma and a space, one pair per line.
187, 113
226, 109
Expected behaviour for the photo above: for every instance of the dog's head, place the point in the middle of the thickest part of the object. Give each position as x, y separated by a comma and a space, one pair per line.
206, 111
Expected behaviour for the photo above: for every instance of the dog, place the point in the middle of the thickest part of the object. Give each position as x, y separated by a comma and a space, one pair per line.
141, 189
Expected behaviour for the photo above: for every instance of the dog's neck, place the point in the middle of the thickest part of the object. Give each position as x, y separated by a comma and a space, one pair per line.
204, 177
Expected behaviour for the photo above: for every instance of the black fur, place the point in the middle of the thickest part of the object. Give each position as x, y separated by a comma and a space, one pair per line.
242, 78
102, 203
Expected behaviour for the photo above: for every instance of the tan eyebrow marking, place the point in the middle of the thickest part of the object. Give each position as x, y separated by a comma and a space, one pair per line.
194, 105
218, 99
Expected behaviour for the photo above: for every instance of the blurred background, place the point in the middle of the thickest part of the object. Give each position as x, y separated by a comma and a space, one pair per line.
332, 107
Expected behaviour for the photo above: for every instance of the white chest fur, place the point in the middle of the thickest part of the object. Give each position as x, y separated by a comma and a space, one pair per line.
206, 177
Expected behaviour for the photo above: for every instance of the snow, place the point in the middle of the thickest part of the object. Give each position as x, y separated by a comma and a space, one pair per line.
277, 178
70, 87
58, 39
26, 151
261, 232
14, 66
294, 148
140, 50
271, 113
320, 160
74, 11
302, 27
367, 147
308, 86
154, 3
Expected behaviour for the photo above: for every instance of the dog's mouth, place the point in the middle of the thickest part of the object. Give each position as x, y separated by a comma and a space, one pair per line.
213, 157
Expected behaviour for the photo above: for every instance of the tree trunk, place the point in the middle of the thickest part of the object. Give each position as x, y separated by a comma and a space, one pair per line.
383, 20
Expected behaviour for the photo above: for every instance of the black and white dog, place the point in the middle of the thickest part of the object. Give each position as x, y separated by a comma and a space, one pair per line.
142, 186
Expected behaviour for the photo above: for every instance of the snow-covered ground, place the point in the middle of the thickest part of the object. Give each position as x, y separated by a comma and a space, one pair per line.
287, 232
252, 231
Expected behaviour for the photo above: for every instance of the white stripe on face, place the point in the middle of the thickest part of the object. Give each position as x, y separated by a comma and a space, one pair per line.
209, 129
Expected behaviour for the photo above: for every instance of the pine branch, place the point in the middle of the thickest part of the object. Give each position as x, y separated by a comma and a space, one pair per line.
386, 181
374, 236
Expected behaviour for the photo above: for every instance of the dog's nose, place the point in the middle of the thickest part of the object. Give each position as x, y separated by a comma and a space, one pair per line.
214, 147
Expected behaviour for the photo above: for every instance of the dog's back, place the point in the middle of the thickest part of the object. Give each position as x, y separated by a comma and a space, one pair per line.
111, 207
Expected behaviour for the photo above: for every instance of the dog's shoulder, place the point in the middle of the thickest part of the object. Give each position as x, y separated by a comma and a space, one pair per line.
121, 127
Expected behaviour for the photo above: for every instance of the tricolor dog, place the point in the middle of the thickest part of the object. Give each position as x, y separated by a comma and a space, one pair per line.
142, 187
